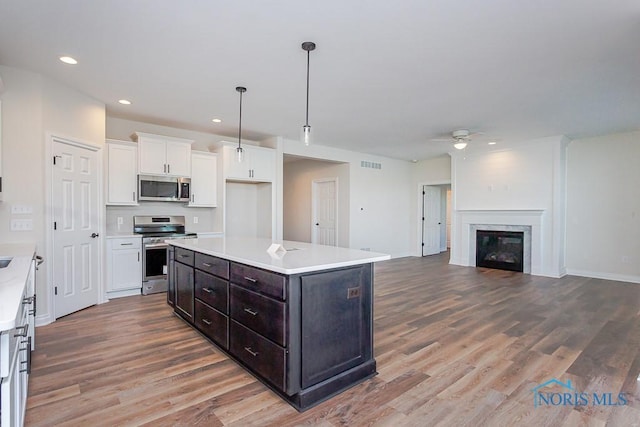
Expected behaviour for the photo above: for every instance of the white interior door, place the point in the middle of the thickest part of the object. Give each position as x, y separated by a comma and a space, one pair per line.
76, 261
325, 212
431, 220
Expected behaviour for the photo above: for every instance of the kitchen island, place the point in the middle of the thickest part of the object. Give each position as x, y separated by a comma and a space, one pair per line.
298, 316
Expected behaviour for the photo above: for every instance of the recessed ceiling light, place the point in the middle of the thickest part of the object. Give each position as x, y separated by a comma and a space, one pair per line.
492, 143
68, 60
124, 102
216, 120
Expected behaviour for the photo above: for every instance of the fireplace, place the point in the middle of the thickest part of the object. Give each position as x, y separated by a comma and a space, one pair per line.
503, 250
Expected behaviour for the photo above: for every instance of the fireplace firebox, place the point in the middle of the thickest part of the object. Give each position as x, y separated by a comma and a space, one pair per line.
502, 250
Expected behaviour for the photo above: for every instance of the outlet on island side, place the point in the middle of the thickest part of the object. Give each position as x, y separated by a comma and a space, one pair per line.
195, 219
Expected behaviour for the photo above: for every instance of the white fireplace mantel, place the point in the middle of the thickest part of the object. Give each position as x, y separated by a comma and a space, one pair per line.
522, 219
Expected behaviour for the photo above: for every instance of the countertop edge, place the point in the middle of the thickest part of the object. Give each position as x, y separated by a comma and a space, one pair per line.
277, 269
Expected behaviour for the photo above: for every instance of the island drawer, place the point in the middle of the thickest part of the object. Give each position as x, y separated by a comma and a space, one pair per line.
264, 315
212, 290
259, 280
184, 256
261, 355
213, 265
212, 323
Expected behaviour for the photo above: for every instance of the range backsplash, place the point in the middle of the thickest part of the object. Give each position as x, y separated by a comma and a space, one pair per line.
209, 219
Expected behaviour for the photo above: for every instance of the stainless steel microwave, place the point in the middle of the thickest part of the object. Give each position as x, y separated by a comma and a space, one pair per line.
163, 188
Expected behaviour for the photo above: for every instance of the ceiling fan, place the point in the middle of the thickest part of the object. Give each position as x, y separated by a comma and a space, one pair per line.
460, 138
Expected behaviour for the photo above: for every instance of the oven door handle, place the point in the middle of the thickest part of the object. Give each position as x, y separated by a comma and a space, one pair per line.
156, 245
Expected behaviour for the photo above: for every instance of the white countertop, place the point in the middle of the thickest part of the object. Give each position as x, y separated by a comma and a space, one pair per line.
12, 280
299, 258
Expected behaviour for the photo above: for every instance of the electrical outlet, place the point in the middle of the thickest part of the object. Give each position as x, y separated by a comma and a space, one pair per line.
120, 220
21, 224
195, 219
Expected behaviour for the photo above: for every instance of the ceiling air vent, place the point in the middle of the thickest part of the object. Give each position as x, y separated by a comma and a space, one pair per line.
370, 165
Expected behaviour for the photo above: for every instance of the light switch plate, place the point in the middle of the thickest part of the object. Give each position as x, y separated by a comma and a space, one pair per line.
21, 209
22, 224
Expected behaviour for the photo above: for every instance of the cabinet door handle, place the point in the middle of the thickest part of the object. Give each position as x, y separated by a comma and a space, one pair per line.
168, 168
208, 290
25, 330
206, 322
134, 196
251, 279
138, 256
251, 352
251, 312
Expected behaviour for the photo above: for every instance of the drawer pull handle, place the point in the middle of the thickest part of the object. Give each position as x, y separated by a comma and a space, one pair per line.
208, 290
251, 312
184, 256
251, 279
24, 332
126, 244
206, 322
206, 264
251, 352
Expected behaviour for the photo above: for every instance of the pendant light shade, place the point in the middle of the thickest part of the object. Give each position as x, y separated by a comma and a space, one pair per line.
239, 150
306, 135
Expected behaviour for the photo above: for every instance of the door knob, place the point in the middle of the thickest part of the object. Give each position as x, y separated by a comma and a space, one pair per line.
94, 235
317, 223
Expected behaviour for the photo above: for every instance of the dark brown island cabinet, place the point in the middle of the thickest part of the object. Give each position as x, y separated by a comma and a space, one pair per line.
305, 331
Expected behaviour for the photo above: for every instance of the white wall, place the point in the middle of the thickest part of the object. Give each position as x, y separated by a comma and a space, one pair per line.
248, 209
379, 199
297, 180
34, 107
603, 207
435, 171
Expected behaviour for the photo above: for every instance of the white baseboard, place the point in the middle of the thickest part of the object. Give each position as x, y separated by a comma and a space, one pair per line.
605, 276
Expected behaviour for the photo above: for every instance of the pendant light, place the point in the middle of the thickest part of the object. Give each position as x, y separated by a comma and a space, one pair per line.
306, 129
239, 150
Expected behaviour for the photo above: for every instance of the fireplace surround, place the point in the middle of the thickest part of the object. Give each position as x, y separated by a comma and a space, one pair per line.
530, 222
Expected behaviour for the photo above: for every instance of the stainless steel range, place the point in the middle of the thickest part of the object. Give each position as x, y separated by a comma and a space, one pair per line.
155, 230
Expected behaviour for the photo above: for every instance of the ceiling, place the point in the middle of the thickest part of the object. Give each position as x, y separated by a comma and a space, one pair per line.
386, 77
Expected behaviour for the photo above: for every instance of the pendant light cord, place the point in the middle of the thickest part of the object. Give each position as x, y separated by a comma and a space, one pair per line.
240, 122
307, 118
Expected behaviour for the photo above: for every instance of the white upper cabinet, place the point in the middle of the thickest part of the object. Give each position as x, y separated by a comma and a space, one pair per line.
204, 180
163, 155
122, 165
258, 164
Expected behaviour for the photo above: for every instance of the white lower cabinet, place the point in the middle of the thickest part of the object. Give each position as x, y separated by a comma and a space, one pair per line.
15, 361
124, 266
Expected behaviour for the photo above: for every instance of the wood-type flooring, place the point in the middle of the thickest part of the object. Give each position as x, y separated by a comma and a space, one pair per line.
454, 345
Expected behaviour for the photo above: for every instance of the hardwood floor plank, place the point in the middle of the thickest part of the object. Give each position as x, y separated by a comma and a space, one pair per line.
454, 346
